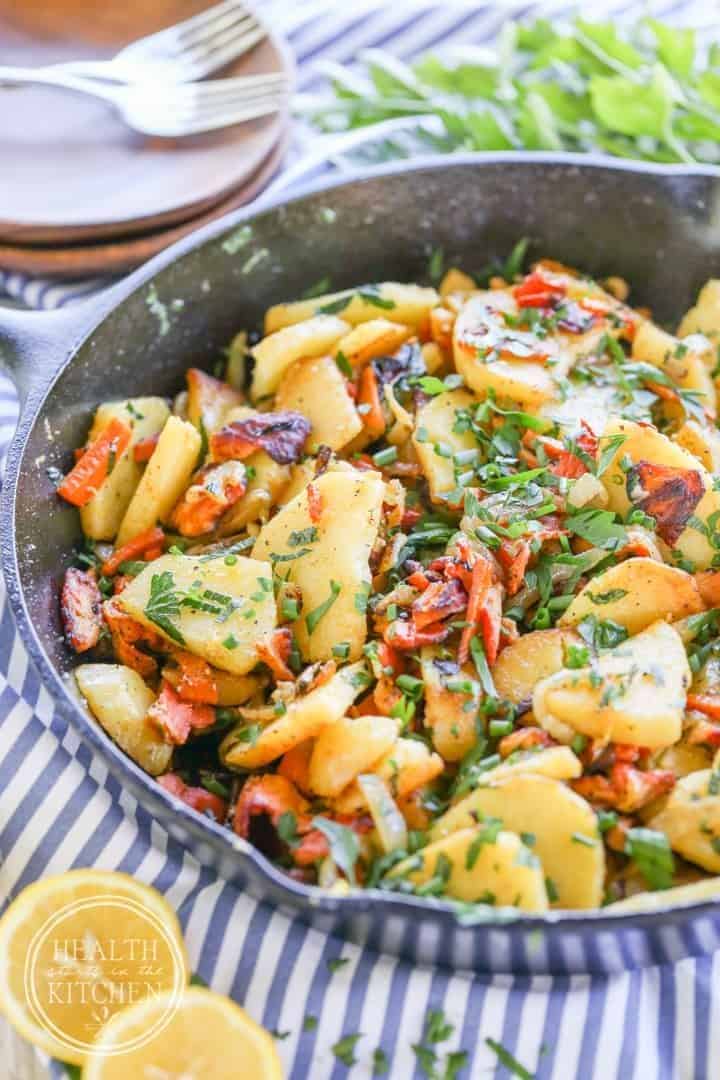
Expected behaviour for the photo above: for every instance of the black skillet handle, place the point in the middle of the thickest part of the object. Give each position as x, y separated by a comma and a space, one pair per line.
34, 344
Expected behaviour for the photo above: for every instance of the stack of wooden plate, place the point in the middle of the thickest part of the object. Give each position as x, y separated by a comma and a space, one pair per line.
83, 195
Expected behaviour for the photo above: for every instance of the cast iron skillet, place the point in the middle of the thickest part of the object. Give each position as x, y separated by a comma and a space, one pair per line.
657, 226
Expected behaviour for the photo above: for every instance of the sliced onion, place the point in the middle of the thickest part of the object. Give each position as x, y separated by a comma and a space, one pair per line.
327, 872
389, 822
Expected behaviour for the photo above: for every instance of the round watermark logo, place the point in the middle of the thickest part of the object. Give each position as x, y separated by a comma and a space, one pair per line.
94, 957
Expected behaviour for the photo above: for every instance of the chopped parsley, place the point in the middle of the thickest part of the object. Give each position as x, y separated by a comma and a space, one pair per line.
344, 1049
343, 843
506, 1058
651, 853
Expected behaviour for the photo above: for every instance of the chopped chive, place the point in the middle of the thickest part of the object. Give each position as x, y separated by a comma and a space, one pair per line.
386, 456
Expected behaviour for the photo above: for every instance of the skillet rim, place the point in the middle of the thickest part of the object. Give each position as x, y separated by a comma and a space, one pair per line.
83, 321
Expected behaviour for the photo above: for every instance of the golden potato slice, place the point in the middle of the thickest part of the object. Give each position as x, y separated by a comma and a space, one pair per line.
227, 638
636, 593
704, 317
702, 441
557, 762
633, 693
680, 896
685, 367
435, 439
119, 699
277, 352
455, 281
408, 766
561, 823
348, 748
534, 656
690, 818
317, 389
331, 564
304, 718
645, 444
482, 866
396, 302
166, 476
684, 758
449, 715
100, 518
378, 337
490, 355
209, 400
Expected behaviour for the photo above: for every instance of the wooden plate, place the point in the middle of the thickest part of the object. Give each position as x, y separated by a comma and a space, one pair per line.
125, 253
71, 170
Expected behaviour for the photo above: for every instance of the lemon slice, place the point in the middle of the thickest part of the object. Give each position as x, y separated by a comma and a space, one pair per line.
208, 1037
78, 947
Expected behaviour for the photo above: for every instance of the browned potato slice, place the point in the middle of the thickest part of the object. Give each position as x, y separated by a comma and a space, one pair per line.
690, 818
209, 400
304, 718
521, 665
636, 593
449, 715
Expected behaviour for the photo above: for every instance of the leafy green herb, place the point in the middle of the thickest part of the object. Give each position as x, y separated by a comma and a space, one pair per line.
287, 828
334, 307
436, 264
488, 834
380, 1062
640, 91
607, 820
371, 296
336, 963
601, 633
362, 597
310, 1023
608, 448
289, 608
344, 364
608, 597
511, 1063
215, 786
302, 536
313, 617
598, 527
164, 604
318, 289
344, 1049
650, 851
343, 842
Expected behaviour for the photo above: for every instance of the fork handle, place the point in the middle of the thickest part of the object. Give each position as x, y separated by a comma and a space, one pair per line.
16, 76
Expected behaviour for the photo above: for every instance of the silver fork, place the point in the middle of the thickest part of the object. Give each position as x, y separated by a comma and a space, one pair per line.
187, 51
170, 110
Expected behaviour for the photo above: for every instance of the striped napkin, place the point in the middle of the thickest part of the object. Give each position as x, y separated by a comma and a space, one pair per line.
338, 1011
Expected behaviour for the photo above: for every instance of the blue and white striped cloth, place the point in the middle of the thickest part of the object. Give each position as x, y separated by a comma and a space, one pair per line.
60, 808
